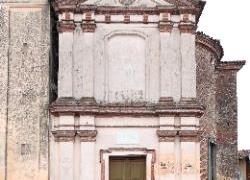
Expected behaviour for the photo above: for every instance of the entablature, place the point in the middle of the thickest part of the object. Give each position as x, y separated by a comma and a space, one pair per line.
187, 107
163, 13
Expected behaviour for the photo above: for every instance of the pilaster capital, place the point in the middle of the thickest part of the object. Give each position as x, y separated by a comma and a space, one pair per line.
87, 135
166, 27
166, 135
88, 27
65, 26
189, 135
187, 27
185, 135
64, 135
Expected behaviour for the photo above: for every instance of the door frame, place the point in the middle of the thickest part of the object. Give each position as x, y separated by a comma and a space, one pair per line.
105, 154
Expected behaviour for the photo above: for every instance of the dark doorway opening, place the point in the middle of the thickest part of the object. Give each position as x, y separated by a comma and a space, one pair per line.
127, 168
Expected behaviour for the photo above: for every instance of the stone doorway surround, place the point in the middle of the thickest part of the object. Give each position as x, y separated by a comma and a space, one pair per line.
150, 155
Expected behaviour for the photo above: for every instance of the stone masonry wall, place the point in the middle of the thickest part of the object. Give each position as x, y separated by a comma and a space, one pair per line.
226, 111
24, 92
206, 95
216, 90
3, 87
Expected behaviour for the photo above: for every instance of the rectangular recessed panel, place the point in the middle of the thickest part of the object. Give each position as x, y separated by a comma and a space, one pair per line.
126, 68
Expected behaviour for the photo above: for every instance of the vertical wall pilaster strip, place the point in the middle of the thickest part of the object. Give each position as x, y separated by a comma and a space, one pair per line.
65, 83
66, 160
167, 160
87, 161
178, 152
78, 63
188, 70
88, 61
165, 64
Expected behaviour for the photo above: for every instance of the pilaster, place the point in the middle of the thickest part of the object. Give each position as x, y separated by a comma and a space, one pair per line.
179, 148
87, 134
65, 82
88, 28
165, 28
187, 28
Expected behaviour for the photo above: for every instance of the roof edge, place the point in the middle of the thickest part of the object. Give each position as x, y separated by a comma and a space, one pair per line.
231, 65
243, 154
201, 6
212, 44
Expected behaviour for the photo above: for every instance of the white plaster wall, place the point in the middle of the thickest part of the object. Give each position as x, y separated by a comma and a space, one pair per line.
126, 68
174, 160
188, 70
126, 63
171, 65
65, 74
107, 138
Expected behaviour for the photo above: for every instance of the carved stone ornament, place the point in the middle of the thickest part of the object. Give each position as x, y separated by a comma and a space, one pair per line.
126, 2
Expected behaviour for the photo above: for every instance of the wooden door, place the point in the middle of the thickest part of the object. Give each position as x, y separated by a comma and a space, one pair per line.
127, 168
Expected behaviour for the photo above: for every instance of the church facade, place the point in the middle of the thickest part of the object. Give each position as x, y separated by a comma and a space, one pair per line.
114, 90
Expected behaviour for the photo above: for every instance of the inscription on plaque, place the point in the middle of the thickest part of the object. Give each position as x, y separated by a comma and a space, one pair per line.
127, 138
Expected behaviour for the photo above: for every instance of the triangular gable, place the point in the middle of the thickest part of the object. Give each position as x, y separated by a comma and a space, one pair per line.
131, 3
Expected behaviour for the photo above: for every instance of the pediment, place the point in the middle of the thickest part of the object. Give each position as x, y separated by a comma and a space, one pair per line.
141, 3
130, 3
81, 4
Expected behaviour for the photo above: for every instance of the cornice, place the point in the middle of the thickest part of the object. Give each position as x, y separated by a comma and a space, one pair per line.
211, 44
230, 65
186, 107
177, 7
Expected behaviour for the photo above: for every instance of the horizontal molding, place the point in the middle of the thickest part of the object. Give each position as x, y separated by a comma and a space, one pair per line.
187, 107
230, 65
185, 135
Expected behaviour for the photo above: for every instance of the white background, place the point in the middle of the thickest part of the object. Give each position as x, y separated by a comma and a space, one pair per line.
229, 21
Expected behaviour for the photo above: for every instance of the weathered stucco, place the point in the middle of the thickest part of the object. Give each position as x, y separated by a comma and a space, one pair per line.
131, 81
216, 88
24, 93
3, 86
